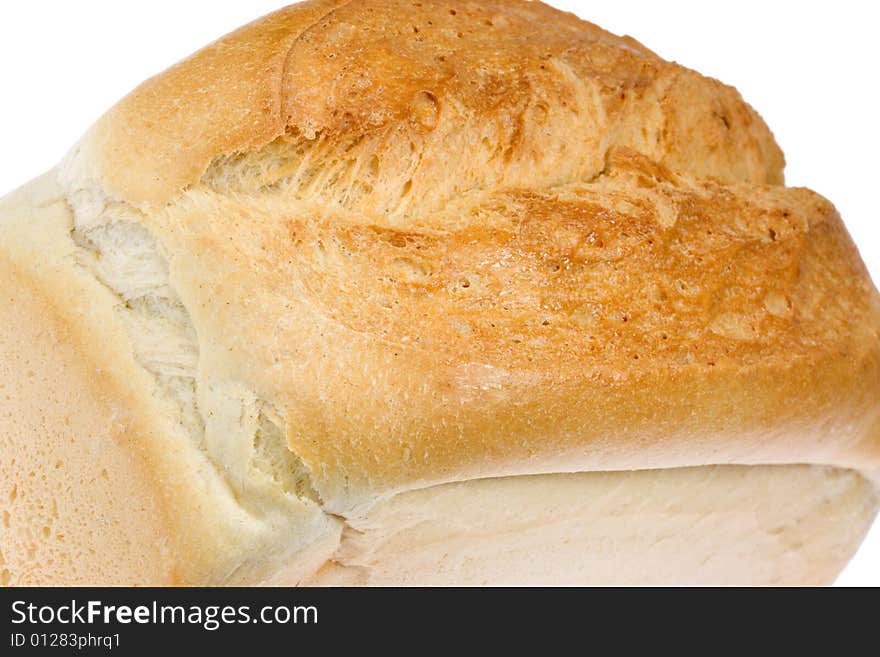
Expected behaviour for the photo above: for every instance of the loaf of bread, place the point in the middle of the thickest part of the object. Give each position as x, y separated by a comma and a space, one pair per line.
391, 292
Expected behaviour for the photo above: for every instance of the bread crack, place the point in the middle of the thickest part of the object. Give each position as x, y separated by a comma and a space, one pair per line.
127, 259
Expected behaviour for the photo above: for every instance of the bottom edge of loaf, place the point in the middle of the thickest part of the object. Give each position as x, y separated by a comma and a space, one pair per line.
709, 525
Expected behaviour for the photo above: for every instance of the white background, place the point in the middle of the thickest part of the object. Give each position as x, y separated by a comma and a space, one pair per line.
810, 68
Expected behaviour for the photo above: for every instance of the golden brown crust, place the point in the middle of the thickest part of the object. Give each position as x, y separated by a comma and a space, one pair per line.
556, 98
158, 138
642, 320
441, 245
360, 248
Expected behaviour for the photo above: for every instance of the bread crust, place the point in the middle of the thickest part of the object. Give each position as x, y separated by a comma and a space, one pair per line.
341, 70
355, 249
533, 331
